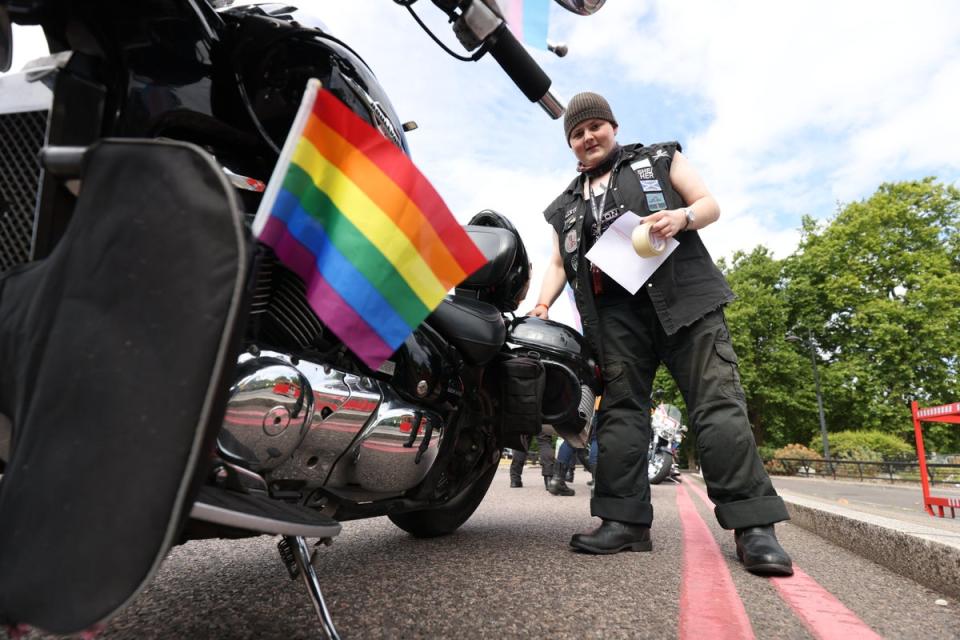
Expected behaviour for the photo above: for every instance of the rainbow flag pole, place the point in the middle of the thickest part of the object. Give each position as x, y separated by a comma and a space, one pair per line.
348, 212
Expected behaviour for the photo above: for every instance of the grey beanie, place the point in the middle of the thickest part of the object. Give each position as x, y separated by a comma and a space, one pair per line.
585, 106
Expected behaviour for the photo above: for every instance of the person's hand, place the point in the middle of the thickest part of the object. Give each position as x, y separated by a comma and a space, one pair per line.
667, 223
539, 311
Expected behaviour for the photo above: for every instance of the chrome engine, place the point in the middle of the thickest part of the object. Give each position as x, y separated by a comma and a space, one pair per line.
568, 406
289, 419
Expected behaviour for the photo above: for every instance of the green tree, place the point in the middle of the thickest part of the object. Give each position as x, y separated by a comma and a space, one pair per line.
780, 411
878, 286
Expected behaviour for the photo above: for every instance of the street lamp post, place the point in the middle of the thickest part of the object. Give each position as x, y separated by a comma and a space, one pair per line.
816, 383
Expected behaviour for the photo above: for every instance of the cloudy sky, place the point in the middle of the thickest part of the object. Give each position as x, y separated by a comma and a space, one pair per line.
786, 109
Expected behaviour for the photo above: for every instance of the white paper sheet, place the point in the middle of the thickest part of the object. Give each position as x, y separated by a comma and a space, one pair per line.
613, 253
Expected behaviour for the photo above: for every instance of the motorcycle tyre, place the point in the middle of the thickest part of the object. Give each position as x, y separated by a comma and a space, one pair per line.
445, 519
666, 464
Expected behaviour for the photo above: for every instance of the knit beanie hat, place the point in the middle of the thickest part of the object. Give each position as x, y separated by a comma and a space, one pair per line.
585, 106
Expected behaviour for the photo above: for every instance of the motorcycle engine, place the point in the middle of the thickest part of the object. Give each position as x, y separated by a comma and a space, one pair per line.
309, 425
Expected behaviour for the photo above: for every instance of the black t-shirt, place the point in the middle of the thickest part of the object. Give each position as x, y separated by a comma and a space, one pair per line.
610, 292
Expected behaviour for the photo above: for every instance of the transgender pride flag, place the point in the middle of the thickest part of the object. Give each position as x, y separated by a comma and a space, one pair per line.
350, 214
528, 20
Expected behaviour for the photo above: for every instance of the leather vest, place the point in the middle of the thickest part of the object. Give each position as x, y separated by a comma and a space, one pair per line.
686, 286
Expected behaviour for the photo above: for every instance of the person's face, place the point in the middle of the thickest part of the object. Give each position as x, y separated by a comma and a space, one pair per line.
592, 140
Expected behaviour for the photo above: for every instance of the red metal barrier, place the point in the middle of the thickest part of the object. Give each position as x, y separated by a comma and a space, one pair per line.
943, 413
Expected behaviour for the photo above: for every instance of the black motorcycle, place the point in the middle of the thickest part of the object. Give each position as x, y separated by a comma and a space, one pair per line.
162, 377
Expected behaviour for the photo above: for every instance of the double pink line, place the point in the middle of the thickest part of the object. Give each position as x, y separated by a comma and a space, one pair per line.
710, 606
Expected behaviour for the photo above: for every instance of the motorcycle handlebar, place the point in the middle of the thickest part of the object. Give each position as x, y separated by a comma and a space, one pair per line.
523, 70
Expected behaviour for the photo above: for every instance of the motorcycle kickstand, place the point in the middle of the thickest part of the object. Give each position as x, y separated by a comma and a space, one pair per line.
296, 555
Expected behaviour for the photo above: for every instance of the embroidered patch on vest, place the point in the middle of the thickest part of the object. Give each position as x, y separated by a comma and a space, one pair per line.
661, 153
570, 242
656, 202
573, 263
646, 173
650, 185
640, 164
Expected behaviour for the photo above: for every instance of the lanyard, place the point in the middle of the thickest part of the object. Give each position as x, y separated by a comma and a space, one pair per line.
598, 220
598, 209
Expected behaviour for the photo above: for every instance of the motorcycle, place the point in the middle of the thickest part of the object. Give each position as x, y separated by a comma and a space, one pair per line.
163, 377
666, 435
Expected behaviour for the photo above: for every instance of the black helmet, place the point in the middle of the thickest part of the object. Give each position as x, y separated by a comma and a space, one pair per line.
504, 281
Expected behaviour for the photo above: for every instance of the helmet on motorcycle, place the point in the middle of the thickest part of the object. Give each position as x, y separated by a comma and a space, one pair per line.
504, 281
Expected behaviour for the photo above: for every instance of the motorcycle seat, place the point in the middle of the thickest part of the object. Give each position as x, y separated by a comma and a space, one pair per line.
475, 328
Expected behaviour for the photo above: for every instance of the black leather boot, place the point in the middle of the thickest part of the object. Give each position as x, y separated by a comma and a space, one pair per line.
569, 477
612, 537
516, 483
761, 553
557, 486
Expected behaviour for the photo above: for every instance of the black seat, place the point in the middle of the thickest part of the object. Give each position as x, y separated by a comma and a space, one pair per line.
475, 328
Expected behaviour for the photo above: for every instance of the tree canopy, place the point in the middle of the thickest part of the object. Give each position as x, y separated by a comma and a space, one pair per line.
873, 294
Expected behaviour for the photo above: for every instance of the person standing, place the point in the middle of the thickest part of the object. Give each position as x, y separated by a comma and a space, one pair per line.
567, 457
548, 467
675, 318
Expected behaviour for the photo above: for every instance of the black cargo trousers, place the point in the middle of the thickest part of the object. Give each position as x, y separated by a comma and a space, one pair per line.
701, 359
547, 458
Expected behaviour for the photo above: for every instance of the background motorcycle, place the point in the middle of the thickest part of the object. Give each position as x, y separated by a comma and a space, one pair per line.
163, 378
666, 435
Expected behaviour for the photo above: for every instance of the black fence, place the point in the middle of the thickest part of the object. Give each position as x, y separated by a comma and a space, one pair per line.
863, 470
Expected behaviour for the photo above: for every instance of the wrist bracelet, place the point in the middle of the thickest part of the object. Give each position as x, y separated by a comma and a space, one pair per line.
540, 304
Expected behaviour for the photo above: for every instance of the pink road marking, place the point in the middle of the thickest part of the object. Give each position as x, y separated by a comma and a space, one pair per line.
709, 604
824, 615
821, 613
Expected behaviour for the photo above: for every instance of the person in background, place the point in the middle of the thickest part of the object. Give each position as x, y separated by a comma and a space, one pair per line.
675, 318
547, 462
563, 470
568, 455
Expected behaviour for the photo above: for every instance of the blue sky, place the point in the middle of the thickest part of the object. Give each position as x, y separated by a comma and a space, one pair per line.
785, 109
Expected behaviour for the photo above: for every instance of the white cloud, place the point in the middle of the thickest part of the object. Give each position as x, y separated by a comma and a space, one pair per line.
801, 105
783, 108
862, 92
923, 136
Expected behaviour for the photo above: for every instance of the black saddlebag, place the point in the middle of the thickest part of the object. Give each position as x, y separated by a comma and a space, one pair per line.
522, 382
115, 353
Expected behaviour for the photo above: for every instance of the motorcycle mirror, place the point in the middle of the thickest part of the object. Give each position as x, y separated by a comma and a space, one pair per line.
6, 41
581, 7
560, 48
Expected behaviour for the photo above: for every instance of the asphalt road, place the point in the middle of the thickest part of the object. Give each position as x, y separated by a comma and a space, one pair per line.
508, 573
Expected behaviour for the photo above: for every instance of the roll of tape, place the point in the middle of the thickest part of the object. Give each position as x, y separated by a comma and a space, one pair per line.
646, 243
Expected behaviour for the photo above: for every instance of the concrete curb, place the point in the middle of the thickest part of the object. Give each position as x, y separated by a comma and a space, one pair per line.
929, 556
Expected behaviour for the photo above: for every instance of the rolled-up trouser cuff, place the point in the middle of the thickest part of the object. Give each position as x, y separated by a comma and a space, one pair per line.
622, 510
752, 512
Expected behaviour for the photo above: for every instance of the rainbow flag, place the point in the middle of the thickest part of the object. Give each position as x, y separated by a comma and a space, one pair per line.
528, 19
350, 214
